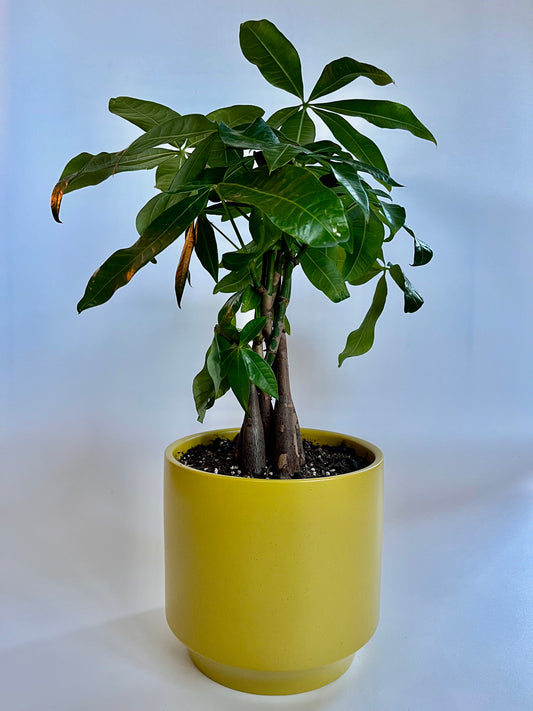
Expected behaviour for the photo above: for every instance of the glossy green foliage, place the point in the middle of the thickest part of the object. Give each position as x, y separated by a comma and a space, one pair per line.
206, 246
295, 201
322, 272
366, 246
343, 71
412, 299
144, 114
356, 143
385, 114
275, 57
361, 340
232, 364
123, 264
323, 205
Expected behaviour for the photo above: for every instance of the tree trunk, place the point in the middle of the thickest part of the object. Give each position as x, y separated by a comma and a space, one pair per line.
267, 416
287, 448
251, 441
265, 401
272, 435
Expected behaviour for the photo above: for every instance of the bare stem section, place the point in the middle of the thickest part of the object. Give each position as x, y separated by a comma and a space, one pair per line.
287, 448
251, 443
265, 403
272, 434
281, 303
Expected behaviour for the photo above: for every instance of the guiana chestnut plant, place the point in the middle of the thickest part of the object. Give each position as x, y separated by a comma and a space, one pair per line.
281, 200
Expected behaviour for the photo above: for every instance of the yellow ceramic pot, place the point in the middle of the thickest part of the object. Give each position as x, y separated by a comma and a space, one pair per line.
273, 585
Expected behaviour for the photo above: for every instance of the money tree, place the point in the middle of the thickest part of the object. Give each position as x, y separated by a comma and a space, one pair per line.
278, 199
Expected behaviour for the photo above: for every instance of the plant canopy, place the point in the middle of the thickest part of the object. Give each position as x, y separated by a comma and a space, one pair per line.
323, 205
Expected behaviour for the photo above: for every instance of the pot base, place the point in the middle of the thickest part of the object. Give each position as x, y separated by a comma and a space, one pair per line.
270, 683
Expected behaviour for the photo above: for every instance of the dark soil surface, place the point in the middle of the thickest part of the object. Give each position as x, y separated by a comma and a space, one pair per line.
218, 457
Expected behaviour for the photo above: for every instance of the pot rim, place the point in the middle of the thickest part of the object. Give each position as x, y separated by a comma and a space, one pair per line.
307, 432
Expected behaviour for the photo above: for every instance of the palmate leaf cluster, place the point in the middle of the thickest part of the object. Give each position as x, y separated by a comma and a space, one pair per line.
325, 205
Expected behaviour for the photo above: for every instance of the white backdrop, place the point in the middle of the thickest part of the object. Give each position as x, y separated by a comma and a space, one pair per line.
90, 401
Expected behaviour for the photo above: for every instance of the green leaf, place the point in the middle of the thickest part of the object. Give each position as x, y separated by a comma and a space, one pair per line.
228, 340
276, 58
299, 128
385, 114
358, 144
281, 154
332, 152
213, 363
325, 148
77, 163
377, 193
144, 114
259, 137
229, 335
120, 267
238, 167
295, 201
252, 329
206, 246
423, 252
103, 165
230, 308
163, 201
227, 211
155, 207
412, 299
175, 130
343, 71
238, 378
211, 383
323, 273
348, 177
394, 216
235, 261
259, 372
264, 233
251, 300
204, 393
367, 239
256, 137
221, 157
279, 117
166, 171
234, 281
374, 172
191, 169
367, 276
236, 115
194, 164
361, 340
87, 169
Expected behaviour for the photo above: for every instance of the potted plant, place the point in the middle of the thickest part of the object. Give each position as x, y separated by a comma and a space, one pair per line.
254, 552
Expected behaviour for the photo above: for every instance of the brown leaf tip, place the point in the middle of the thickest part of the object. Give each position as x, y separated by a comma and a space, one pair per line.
57, 196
